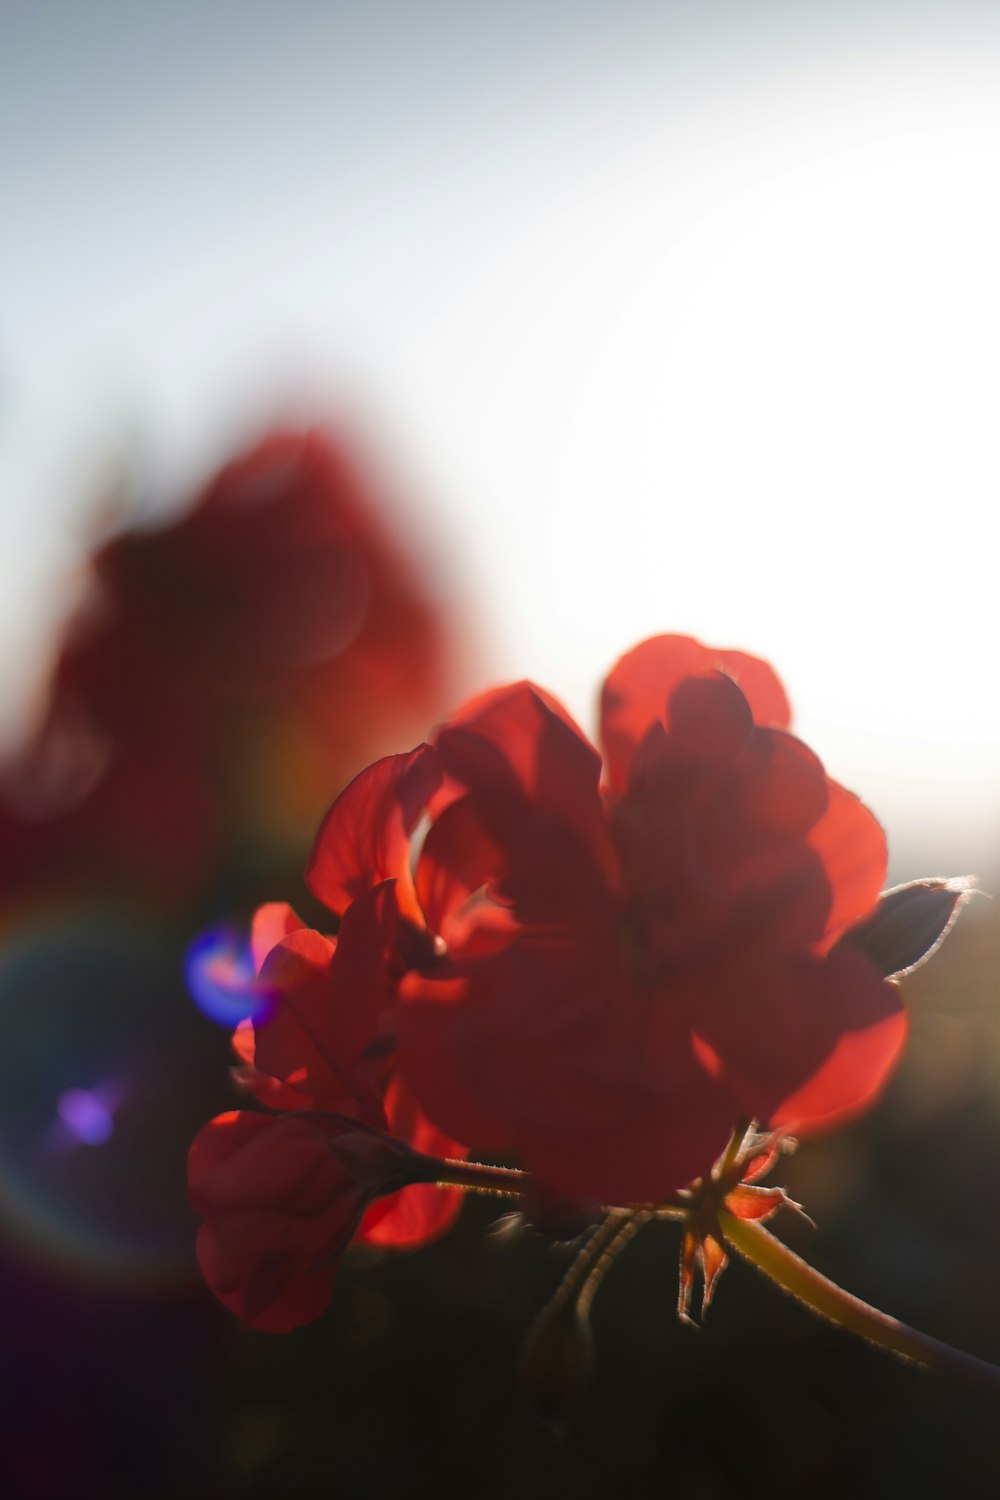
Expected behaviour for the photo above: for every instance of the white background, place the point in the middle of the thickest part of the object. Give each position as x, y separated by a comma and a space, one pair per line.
670, 316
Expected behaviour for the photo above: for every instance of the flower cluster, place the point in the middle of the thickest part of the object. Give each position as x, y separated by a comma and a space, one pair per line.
224, 671
605, 969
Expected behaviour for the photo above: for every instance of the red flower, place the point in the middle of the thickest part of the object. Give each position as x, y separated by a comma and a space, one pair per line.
667, 963
284, 1194
227, 668
329, 1045
281, 1197
323, 1052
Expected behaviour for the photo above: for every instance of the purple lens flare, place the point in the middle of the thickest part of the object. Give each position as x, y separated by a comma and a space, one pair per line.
87, 1116
222, 981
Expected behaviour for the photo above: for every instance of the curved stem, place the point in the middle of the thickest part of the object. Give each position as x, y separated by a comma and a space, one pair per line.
599, 1255
824, 1297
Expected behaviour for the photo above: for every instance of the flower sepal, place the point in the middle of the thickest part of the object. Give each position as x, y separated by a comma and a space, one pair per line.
731, 1187
381, 1163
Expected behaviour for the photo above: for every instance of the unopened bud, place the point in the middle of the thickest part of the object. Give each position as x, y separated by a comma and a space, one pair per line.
557, 1359
909, 924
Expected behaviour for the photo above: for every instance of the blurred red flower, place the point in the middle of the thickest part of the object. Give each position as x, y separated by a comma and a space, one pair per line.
636, 967
226, 670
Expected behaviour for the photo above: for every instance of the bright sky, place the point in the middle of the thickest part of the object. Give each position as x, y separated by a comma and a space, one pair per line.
677, 316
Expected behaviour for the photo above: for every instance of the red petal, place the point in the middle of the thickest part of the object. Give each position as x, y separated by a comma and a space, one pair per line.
517, 748
851, 843
262, 1086
715, 863
805, 1041
362, 988
245, 1160
430, 1060
277, 1206
217, 1141
545, 1049
365, 837
331, 999
785, 791
408, 1121
850, 1078
272, 1297
421, 1213
410, 1218
457, 859
649, 1155
551, 877
641, 684
498, 710
760, 686
271, 922
708, 718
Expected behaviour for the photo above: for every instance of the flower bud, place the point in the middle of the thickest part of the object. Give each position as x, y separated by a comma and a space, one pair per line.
557, 1359
909, 923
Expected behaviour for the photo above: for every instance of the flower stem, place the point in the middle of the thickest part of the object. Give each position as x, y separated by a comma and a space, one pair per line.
599, 1255
511, 1182
506, 1182
824, 1297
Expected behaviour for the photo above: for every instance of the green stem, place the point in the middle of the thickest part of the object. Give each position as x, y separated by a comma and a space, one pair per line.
824, 1297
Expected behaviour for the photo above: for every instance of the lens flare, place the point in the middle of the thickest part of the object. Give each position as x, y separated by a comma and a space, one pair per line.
222, 981
106, 1073
86, 1116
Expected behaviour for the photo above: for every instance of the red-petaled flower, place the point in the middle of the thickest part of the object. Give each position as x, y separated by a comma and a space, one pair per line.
324, 1049
282, 1196
636, 966
328, 1044
226, 669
